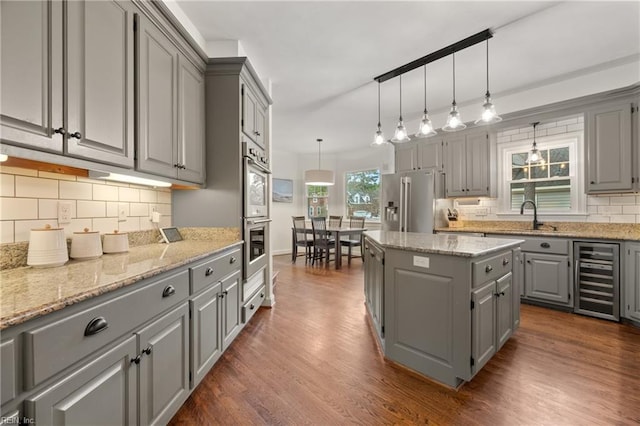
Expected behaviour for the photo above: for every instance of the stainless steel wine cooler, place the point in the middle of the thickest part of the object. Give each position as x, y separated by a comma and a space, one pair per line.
597, 279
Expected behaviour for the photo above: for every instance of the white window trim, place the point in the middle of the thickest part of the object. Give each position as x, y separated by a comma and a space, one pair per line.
576, 160
345, 210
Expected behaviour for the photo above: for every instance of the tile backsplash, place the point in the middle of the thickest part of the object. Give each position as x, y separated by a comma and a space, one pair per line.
29, 199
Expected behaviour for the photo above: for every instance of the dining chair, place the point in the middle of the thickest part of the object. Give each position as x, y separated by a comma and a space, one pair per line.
335, 221
300, 239
322, 241
354, 222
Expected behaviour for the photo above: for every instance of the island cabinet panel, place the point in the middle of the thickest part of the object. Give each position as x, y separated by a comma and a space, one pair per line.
483, 346
505, 308
427, 326
374, 285
103, 391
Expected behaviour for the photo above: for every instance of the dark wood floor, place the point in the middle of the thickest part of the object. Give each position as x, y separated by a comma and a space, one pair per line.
313, 360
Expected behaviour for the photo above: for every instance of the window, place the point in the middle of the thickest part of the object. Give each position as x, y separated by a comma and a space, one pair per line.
553, 184
363, 194
317, 201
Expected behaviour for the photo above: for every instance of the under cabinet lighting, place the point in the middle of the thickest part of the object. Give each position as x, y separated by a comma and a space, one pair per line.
95, 174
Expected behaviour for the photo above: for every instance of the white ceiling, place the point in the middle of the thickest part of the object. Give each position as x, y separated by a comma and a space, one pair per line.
322, 56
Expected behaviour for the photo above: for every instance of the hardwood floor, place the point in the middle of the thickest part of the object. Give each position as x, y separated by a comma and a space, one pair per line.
312, 359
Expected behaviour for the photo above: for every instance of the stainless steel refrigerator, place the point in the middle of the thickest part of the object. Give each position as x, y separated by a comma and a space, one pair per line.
408, 201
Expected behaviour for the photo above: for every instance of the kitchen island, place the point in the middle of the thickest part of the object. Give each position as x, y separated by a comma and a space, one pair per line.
441, 305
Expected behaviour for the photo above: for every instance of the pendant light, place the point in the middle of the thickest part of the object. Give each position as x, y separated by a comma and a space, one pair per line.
454, 121
534, 156
489, 114
319, 176
378, 138
426, 127
400, 134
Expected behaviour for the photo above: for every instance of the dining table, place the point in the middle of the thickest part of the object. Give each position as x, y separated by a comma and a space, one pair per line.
336, 233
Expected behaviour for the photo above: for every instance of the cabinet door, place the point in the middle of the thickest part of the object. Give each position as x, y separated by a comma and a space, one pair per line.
105, 389
100, 81
249, 104
547, 277
261, 125
377, 290
406, 157
164, 366
609, 153
191, 121
31, 73
483, 324
430, 155
368, 275
206, 343
632, 282
518, 285
157, 105
455, 167
505, 310
231, 312
477, 164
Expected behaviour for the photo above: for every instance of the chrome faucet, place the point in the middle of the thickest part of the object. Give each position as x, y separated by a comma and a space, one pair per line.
536, 224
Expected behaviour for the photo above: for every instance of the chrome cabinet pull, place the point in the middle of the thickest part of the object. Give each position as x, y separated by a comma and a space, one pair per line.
168, 291
232, 260
208, 272
505, 262
488, 269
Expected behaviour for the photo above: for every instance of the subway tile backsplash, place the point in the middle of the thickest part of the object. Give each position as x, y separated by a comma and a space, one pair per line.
29, 199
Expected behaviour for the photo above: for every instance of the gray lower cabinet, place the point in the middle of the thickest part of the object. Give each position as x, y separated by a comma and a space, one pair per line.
170, 108
163, 347
374, 285
632, 282
230, 318
206, 342
547, 277
103, 391
89, 47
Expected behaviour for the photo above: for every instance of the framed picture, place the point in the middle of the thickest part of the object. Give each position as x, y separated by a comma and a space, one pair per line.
282, 190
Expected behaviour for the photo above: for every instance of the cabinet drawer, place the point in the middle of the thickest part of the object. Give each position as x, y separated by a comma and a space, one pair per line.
214, 270
8, 370
51, 348
492, 268
252, 306
545, 245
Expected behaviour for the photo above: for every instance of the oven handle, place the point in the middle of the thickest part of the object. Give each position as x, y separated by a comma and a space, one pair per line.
257, 221
258, 165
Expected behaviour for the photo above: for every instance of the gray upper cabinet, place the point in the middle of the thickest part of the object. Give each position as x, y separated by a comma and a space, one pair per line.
95, 47
31, 61
170, 108
100, 81
191, 122
631, 309
419, 155
254, 116
609, 152
104, 389
467, 165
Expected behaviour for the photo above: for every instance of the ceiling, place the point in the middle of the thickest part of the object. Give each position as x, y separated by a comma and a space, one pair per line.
321, 57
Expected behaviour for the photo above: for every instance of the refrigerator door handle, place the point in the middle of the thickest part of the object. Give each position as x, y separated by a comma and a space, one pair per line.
407, 203
401, 204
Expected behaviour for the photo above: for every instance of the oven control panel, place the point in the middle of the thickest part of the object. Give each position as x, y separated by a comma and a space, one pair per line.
256, 153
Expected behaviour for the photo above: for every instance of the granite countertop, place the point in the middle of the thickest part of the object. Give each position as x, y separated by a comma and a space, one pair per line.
597, 231
452, 245
28, 293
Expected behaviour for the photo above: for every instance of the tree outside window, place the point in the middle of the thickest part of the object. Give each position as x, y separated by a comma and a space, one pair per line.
317, 201
363, 194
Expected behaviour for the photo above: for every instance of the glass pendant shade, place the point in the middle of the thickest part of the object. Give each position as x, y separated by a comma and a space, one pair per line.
426, 126
378, 138
489, 114
454, 122
400, 134
319, 176
534, 156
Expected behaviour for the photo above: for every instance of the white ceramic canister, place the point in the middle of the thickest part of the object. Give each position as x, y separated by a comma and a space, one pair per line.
86, 245
47, 247
116, 242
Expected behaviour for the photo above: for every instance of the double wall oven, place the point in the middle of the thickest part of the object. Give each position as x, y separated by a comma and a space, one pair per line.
255, 211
